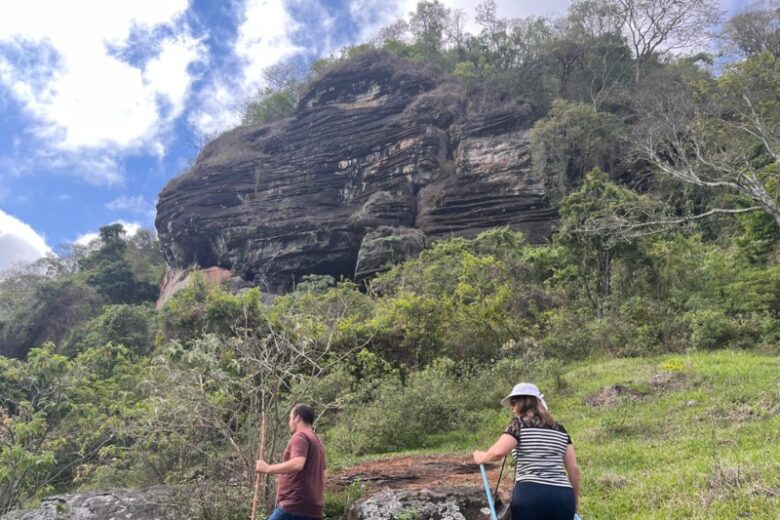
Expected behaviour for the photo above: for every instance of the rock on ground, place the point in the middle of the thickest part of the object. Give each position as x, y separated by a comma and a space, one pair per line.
443, 487
453, 503
152, 503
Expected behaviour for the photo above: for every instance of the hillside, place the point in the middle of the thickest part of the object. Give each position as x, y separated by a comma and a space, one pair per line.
397, 235
678, 436
670, 437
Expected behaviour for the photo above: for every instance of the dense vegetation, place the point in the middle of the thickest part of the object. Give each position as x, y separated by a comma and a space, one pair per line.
665, 168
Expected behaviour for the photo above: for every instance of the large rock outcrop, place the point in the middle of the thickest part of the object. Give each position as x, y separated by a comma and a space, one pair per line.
378, 147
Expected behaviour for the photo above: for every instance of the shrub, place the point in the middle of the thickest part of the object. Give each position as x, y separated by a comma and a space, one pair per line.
128, 325
214, 501
337, 503
430, 401
711, 329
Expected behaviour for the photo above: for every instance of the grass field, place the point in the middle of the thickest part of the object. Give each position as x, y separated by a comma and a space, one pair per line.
689, 436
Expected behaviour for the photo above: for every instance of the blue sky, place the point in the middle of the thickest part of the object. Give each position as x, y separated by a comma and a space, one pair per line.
103, 102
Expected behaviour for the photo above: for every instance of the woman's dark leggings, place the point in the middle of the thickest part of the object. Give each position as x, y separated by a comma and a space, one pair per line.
531, 501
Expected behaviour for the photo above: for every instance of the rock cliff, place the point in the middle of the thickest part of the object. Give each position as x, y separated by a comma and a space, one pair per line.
381, 156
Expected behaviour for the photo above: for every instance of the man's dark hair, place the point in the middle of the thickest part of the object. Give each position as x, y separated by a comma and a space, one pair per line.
306, 413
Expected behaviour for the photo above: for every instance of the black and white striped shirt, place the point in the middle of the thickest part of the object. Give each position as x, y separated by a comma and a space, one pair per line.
539, 452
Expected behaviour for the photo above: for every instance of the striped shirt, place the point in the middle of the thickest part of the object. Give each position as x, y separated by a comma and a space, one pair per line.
539, 452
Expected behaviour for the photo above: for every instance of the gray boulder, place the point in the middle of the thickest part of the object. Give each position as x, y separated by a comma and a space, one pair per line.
386, 246
445, 503
153, 503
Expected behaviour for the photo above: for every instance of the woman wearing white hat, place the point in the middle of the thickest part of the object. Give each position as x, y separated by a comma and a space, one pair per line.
542, 449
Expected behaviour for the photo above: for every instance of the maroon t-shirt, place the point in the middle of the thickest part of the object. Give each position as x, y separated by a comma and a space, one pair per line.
302, 493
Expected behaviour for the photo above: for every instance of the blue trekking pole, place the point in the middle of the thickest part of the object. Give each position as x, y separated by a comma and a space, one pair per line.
493, 515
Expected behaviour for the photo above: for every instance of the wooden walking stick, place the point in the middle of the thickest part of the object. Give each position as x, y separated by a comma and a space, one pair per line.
261, 450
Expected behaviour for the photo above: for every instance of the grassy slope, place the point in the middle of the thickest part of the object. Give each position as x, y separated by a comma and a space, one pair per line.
704, 443
695, 436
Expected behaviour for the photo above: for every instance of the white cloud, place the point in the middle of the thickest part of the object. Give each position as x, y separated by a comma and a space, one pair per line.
87, 238
19, 243
219, 107
101, 167
167, 74
85, 97
137, 204
131, 228
372, 15
264, 38
513, 8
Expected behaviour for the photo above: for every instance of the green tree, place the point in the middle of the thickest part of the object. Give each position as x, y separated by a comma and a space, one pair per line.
131, 326
56, 418
754, 30
207, 308
279, 98
573, 139
657, 27
145, 257
109, 271
270, 105
719, 134
51, 314
428, 23
592, 19
599, 222
34, 399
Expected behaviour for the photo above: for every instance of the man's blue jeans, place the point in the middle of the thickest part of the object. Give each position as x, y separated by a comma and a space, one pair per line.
280, 514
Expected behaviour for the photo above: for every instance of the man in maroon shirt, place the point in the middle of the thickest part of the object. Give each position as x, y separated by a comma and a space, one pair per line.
300, 491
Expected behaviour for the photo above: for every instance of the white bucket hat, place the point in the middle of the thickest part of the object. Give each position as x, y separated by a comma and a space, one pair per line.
524, 389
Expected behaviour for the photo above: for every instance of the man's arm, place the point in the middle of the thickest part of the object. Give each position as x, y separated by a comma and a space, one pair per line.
293, 465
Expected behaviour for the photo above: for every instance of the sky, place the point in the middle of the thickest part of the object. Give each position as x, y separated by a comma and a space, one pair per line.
102, 102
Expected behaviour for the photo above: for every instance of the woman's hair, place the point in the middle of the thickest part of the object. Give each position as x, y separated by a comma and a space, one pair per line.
530, 403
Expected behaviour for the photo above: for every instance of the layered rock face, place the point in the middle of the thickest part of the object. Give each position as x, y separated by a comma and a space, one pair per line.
382, 155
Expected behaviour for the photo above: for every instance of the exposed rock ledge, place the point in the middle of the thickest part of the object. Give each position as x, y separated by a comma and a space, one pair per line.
455, 503
153, 503
423, 488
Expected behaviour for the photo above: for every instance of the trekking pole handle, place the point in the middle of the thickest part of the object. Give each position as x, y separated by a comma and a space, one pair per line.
492, 506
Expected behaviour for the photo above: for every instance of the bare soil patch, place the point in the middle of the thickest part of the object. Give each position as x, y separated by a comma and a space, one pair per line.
610, 396
661, 382
420, 472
